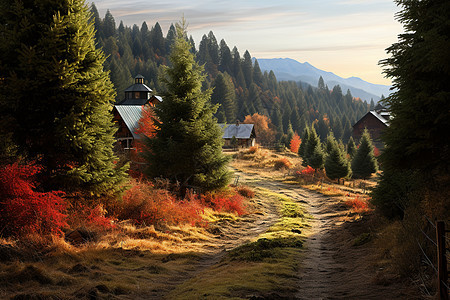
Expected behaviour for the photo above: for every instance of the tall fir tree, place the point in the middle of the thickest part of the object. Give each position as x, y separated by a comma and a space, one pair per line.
336, 164
56, 92
302, 149
417, 145
351, 147
187, 147
364, 162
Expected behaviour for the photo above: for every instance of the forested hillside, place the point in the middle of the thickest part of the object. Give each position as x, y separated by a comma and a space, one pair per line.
239, 85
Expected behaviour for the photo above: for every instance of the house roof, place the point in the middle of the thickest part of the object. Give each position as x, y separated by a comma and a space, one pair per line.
130, 114
159, 98
133, 101
383, 117
239, 131
138, 87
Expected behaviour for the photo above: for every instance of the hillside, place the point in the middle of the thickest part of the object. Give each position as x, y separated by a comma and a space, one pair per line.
289, 69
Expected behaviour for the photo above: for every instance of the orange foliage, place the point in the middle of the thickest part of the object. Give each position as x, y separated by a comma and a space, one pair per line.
264, 128
358, 204
295, 143
146, 126
376, 151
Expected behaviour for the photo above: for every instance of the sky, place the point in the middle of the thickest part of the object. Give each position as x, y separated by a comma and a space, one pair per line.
346, 37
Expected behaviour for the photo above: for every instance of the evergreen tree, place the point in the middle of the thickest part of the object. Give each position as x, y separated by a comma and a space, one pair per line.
364, 162
58, 94
417, 144
301, 150
351, 147
187, 147
317, 158
313, 142
108, 25
247, 69
336, 164
224, 93
321, 83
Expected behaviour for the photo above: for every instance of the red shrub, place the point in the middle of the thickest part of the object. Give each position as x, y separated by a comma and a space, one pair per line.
146, 205
308, 171
24, 210
89, 217
358, 204
224, 201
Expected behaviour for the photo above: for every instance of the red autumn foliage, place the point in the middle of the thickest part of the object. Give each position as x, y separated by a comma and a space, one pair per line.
295, 143
224, 202
308, 171
89, 217
358, 204
376, 151
146, 205
24, 210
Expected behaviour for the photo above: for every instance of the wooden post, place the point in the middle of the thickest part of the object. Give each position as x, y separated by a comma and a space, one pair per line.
442, 261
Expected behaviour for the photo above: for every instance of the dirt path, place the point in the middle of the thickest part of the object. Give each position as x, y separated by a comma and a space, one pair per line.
333, 267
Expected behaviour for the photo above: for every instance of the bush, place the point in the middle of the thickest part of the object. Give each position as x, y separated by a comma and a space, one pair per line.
245, 191
146, 205
282, 163
92, 218
358, 204
252, 150
224, 202
24, 210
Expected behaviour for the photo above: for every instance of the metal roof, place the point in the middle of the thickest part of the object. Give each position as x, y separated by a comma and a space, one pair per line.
383, 117
159, 98
138, 87
130, 114
133, 101
241, 131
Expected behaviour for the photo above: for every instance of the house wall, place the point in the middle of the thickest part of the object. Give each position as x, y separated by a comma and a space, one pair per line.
373, 125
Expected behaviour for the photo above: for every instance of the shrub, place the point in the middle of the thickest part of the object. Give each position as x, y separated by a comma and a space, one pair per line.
358, 204
90, 217
282, 163
252, 150
24, 210
146, 205
224, 202
245, 191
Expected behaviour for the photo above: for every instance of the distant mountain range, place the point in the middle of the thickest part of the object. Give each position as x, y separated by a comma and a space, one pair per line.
289, 69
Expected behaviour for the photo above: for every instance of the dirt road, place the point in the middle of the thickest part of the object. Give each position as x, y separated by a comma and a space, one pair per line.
334, 265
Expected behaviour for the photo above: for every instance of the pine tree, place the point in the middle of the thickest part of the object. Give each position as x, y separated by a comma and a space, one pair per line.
312, 145
58, 94
187, 148
351, 147
317, 158
364, 162
301, 150
336, 164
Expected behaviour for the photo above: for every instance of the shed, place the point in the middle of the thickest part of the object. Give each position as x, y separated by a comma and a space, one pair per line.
243, 133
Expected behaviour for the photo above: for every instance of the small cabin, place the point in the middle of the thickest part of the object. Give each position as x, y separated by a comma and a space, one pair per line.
128, 112
375, 121
244, 135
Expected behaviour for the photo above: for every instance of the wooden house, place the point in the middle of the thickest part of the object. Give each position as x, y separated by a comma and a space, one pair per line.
128, 112
375, 121
244, 134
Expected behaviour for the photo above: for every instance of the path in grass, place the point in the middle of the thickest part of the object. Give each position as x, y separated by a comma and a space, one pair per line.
337, 261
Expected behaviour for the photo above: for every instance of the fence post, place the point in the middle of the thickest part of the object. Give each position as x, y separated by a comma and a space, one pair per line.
442, 261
